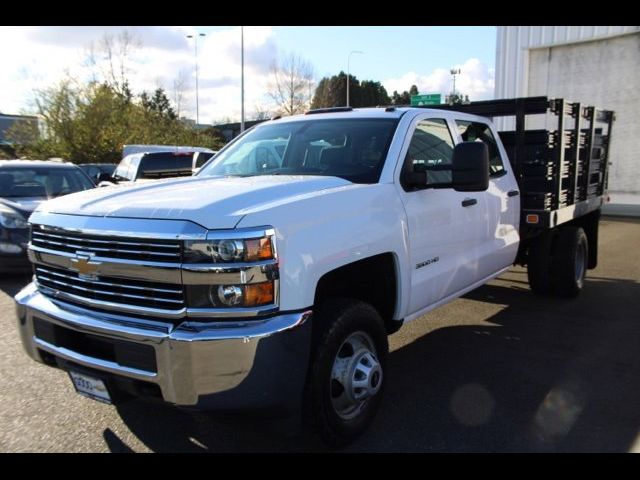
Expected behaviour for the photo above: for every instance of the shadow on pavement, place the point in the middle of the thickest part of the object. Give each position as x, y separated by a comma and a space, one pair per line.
542, 375
11, 283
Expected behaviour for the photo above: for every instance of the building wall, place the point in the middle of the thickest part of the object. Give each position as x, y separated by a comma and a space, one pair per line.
594, 65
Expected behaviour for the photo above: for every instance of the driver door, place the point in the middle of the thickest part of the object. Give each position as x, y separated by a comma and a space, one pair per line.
443, 225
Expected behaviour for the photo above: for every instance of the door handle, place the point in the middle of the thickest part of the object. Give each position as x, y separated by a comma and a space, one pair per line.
467, 202
513, 193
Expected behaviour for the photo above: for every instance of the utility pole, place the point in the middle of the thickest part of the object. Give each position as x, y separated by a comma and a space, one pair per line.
453, 98
454, 72
195, 37
241, 79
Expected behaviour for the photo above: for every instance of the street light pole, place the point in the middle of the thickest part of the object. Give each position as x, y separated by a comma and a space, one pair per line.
195, 37
241, 79
454, 72
348, 74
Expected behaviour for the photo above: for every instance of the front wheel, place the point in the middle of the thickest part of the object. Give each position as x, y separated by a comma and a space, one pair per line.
347, 374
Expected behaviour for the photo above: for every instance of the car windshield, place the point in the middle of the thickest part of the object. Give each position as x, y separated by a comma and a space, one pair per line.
44, 182
353, 149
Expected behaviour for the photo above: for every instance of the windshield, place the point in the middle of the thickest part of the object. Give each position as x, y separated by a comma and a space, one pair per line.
45, 182
353, 149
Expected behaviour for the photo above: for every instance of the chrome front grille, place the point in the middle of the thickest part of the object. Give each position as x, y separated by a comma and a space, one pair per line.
148, 249
75, 288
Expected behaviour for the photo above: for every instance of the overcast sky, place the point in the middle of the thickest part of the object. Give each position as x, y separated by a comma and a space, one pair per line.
36, 57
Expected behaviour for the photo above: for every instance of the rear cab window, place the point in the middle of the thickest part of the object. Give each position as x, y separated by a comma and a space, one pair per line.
165, 165
481, 132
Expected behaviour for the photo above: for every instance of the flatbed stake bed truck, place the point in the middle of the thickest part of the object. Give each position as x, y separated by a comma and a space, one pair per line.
272, 278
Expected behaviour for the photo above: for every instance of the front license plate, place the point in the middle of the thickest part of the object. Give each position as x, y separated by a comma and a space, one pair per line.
90, 387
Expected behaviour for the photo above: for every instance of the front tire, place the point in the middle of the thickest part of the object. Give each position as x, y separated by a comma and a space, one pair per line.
347, 373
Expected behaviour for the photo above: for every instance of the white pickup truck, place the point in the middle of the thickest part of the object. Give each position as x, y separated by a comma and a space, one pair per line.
270, 285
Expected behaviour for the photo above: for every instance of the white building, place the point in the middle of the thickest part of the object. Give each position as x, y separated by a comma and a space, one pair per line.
597, 66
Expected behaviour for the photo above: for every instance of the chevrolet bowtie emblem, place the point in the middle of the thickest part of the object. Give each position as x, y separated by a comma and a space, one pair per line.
84, 266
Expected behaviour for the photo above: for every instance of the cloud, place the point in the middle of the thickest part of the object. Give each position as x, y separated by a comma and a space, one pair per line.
476, 80
41, 56
165, 38
217, 82
38, 57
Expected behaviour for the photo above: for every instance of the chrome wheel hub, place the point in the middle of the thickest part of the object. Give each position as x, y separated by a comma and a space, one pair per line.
356, 375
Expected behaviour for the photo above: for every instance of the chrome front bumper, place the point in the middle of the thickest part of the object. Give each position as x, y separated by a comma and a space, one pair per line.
248, 364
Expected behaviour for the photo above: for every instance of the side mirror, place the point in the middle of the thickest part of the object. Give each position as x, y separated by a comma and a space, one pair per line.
470, 167
103, 177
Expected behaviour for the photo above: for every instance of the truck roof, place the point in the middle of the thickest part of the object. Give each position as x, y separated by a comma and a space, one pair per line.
130, 149
373, 112
35, 163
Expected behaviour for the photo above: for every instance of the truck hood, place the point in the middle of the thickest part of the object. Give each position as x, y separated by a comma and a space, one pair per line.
213, 202
24, 205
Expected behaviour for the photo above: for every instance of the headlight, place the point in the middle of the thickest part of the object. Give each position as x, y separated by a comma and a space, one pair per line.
232, 270
253, 295
229, 250
231, 296
12, 219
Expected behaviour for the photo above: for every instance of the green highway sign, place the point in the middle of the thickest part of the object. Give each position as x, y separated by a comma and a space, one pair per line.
429, 99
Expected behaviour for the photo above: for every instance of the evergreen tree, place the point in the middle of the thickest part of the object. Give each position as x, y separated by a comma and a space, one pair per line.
158, 104
332, 92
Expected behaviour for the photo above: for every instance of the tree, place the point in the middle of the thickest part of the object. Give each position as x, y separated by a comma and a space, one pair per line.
372, 94
400, 99
332, 92
291, 84
110, 60
91, 123
404, 98
260, 112
456, 99
158, 104
179, 89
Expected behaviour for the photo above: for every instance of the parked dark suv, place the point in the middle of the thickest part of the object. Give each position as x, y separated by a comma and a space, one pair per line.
25, 184
98, 171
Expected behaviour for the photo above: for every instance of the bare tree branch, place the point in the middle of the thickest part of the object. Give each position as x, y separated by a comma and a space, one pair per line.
113, 56
261, 112
291, 84
179, 90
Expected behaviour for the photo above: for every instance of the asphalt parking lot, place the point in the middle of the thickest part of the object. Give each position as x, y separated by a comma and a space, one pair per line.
498, 370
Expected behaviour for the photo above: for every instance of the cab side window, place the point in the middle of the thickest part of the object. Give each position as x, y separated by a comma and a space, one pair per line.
480, 132
430, 150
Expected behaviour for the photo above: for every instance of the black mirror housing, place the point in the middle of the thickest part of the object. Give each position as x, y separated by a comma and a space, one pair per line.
470, 167
103, 177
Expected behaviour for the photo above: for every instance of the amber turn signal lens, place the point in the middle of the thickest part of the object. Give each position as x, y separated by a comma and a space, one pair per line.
258, 249
257, 294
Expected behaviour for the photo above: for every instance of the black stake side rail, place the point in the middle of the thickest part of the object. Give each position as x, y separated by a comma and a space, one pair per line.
562, 173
